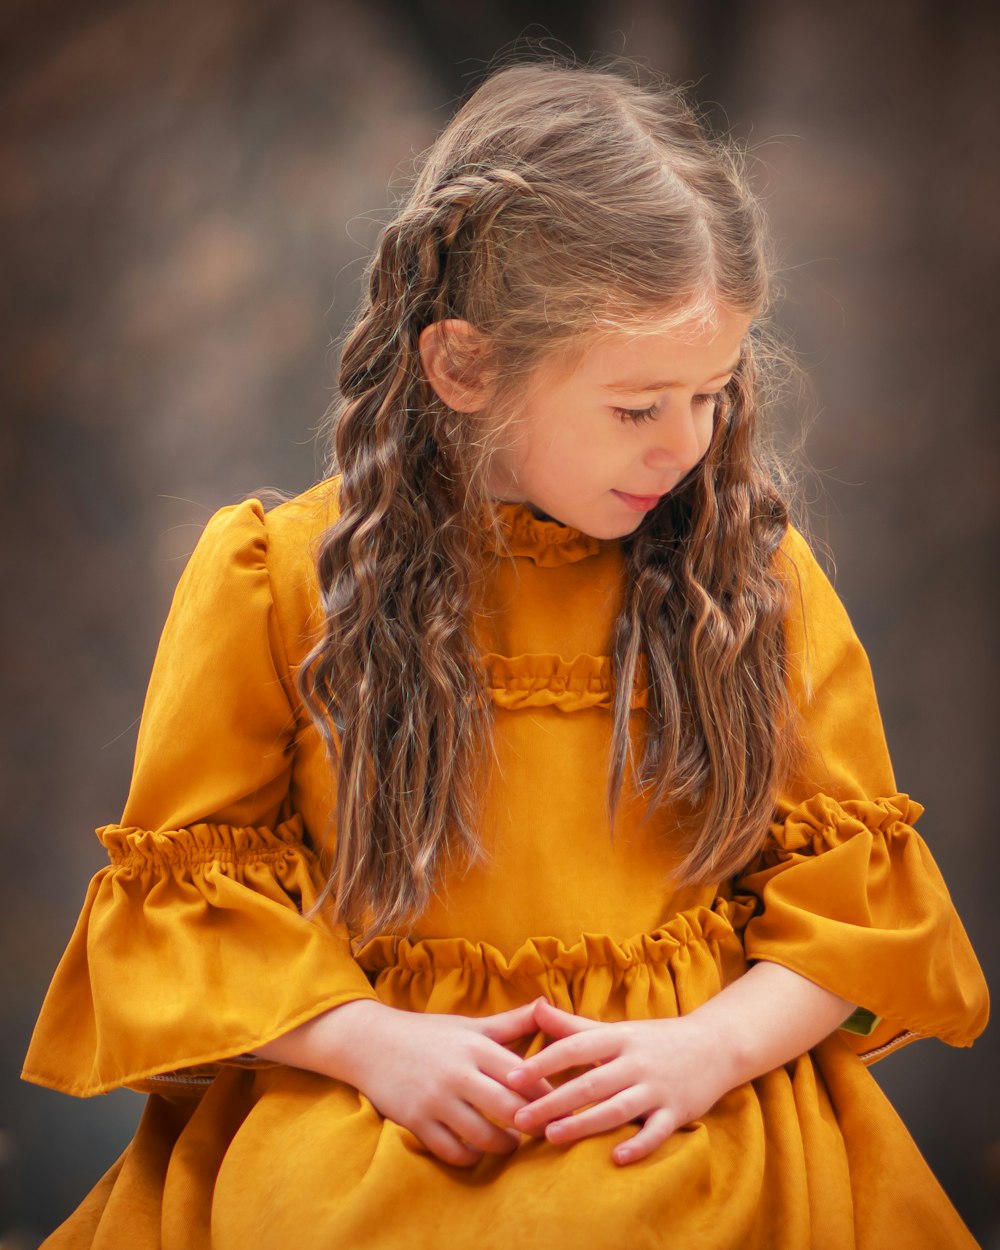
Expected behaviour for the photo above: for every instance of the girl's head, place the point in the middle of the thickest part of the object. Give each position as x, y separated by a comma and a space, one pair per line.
566, 215
599, 445
560, 312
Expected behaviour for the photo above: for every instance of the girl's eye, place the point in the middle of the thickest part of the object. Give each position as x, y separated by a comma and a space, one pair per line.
637, 414
702, 400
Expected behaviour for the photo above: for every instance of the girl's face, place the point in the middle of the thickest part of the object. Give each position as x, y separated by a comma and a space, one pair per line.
598, 447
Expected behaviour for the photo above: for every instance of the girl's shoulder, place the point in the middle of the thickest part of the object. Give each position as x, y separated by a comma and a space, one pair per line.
306, 516
810, 589
262, 559
819, 635
284, 537
295, 526
796, 556
294, 530
809, 585
284, 534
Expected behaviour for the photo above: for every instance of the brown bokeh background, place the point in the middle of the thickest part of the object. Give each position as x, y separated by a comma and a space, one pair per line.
188, 193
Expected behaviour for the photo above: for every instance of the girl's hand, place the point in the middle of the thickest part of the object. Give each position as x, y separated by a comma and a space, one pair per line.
441, 1076
663, 1072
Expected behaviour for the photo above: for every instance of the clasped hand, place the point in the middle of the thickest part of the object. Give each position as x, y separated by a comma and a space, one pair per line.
474, 1096
663, 1073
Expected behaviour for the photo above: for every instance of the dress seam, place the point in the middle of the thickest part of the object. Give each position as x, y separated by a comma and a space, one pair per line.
887, 1047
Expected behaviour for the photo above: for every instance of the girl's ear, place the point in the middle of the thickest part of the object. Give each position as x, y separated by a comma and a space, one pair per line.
453, 356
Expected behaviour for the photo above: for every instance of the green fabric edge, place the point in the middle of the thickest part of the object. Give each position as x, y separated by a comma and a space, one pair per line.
861, 1021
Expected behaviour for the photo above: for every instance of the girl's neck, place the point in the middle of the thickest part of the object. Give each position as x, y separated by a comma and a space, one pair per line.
535, 512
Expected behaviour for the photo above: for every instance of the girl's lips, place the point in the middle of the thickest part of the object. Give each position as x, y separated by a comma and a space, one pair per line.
641, 503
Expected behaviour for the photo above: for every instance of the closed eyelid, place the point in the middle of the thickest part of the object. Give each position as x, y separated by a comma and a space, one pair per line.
663, 399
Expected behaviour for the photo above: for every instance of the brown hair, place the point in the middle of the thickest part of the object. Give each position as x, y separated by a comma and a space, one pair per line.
560, 202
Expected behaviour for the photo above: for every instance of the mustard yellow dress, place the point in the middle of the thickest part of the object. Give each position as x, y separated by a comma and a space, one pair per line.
191, 949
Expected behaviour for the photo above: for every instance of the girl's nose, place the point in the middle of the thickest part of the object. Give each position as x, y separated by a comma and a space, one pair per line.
679, 445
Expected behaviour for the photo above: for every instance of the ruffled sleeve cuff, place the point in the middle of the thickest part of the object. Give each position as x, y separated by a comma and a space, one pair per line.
848, 895
191, 950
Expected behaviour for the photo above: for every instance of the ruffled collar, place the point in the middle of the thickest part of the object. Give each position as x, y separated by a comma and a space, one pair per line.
547, 543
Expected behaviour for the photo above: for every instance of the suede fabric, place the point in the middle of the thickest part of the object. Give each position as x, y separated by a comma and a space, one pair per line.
191, 949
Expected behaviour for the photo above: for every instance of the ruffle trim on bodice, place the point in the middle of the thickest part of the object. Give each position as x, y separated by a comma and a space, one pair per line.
547, 543
524, 681
662, 973
538, 956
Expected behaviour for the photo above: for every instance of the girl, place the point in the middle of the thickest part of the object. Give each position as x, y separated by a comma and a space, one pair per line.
512, 853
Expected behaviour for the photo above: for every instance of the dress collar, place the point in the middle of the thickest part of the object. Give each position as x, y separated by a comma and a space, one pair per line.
547, 543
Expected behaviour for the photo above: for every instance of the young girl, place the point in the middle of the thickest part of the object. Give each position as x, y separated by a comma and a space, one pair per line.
512, 856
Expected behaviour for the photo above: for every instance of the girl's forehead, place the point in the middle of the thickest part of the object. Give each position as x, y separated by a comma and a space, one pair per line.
694, 344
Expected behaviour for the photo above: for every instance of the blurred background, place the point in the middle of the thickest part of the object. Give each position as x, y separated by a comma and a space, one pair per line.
188, 193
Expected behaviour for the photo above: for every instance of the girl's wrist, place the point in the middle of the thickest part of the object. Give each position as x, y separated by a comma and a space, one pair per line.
331, 1043
766, 1018
726, 1049
342, 1039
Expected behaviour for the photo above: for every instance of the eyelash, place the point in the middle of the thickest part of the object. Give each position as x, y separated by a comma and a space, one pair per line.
637, 415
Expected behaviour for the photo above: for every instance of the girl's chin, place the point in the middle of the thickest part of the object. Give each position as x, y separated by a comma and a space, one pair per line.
605, 530
611, 530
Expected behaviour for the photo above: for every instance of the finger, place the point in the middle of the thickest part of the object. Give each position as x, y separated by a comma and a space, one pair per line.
471, 1127
658, 1127
594, 1086
535, 1089
495, 1061
612, 1113
593, 1046
492, 1098
508, 1026
558, 1023
441, 1141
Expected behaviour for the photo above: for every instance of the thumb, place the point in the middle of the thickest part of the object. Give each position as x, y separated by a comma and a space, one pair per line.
557, 1023
507, 1026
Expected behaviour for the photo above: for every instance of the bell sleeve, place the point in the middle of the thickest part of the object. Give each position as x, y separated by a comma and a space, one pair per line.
192, 949
846, 891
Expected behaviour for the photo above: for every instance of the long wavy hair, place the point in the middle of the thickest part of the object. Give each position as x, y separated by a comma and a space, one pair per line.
560, 203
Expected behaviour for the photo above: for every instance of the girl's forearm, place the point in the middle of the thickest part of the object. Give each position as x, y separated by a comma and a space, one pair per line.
769, 1016
326, 1044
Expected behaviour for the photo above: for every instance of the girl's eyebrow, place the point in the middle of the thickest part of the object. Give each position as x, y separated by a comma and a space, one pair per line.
633, 388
